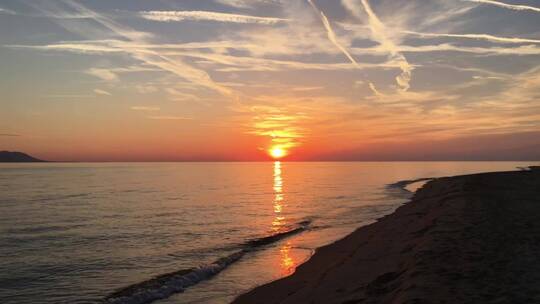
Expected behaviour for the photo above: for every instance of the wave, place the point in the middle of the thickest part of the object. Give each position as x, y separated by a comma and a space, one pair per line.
165, 285
278, 236
404, 183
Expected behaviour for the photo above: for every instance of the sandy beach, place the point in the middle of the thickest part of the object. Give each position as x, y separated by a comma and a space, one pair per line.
464, 239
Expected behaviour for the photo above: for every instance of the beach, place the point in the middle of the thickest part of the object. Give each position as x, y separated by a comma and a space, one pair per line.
464, 239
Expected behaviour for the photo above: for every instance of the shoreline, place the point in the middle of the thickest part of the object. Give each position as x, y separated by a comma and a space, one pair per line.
463, 239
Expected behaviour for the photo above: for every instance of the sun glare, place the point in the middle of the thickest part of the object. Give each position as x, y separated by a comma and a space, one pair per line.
277, 152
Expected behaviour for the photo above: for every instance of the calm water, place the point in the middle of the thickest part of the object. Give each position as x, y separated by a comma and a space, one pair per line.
75, 233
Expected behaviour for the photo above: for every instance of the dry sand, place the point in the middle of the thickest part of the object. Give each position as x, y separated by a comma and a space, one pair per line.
465, 239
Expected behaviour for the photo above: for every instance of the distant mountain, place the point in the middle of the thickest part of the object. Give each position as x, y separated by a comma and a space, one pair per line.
17, 157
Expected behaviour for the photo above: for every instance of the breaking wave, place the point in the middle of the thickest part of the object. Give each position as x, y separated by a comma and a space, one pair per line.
165, 285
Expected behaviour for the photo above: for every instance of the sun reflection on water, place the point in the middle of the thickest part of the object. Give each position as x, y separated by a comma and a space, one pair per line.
279, 223
279, 220
287, 262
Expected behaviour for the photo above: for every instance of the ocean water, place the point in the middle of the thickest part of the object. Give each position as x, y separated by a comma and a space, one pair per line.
184, 232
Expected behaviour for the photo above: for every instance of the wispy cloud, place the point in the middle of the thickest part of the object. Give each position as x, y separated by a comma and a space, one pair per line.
246, 3
7, 11
145, 108
506, 5
374, 89
169, 118
331, 34
9, 135
379, 33
146, 55
307, 89
54, 96
145, 89
103, 74
102, 92
180, 95
168, 16
82, 48
233, 63
447, 47
487, 37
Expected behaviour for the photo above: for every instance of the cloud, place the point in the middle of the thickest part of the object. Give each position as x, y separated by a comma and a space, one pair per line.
447, 47
82, 48
145, 108
487, 37
246, 3
231, 63
380, 33
178, 95
358, 83
7, 11
103, 74
145, 89
331, 34
307, 89
9, 135
445, 15
68, 96
102, 92
168, 16
135, 39
374, 89
506, 5
169, 118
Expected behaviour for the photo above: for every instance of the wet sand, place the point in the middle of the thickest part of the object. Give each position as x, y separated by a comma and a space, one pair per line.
464, 239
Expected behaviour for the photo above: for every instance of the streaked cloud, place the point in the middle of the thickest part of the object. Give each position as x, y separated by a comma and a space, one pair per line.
68, 96
103, 74
374, 89
169, 16
146, 55
146, 89
102, 92
145, 108
246, 3
486, 37
10, 135
331, 34
307, 89
81, 48
379, 33
169, 118
7, 11
507, 5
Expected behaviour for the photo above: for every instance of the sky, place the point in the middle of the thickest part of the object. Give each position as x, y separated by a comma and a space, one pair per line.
231, 80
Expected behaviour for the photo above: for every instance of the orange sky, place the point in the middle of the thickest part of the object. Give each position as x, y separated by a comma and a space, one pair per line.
231, 80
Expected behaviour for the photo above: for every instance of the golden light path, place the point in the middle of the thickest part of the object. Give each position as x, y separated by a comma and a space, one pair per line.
287, 263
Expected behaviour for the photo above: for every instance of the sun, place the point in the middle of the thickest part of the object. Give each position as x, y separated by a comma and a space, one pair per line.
277, 152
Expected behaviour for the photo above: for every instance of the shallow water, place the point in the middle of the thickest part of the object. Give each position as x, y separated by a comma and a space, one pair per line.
75, 233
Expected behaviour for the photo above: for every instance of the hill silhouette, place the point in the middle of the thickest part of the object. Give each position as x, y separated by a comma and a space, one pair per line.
17, 157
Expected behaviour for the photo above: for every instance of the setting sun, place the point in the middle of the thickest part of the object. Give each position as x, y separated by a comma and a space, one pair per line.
277, 152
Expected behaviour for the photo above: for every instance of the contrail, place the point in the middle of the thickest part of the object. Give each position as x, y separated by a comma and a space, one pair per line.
508, 6
151, 57
168, 16
378, 32
374, 89
331, 34
477, 37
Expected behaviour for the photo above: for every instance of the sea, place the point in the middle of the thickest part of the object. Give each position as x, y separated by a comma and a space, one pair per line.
185, 232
